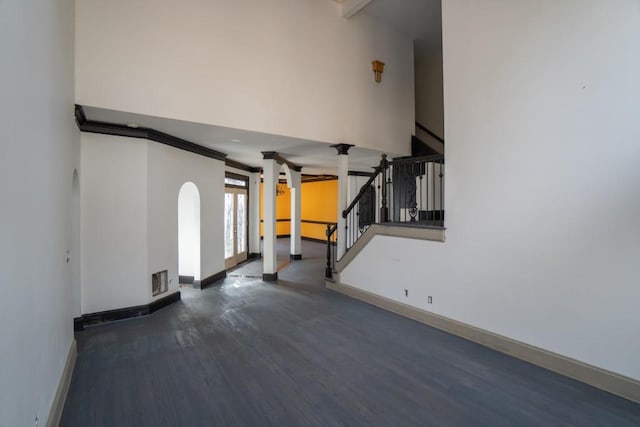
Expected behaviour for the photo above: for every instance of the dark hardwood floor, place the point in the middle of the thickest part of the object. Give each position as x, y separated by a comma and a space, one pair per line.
249, 353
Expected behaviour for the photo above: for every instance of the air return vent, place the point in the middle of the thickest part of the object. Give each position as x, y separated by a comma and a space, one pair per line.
159, 282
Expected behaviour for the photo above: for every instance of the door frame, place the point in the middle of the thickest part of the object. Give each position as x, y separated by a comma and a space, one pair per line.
236, 189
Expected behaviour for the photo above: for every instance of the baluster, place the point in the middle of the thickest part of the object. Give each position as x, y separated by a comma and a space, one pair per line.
328, 272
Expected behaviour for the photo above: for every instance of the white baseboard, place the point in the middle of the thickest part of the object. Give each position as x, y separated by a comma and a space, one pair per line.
63, 387
603, 379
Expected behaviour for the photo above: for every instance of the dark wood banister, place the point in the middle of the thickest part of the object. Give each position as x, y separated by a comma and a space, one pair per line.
417, 159
384, 163
328, 272
432, 134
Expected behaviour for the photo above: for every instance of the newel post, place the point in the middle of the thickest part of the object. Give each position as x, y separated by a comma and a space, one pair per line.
384, 207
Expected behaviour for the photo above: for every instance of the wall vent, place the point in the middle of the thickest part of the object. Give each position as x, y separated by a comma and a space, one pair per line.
159, 282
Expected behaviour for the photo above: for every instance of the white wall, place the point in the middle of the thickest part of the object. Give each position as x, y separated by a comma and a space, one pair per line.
543, 245
189, 231
113, 186
38, 153
129, 190
286, 67
168, 169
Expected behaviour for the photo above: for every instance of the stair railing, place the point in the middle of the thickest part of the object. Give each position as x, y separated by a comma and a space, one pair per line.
408, 191
370, 205
428, 131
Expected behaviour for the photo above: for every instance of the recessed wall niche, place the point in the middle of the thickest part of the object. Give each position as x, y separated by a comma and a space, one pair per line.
159, 283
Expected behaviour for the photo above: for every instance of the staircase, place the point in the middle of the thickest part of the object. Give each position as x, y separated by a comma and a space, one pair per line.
404, 192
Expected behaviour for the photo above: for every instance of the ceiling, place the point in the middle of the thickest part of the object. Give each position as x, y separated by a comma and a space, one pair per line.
246, 146
418, 19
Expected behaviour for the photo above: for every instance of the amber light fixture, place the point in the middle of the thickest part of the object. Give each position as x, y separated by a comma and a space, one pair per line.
378, 68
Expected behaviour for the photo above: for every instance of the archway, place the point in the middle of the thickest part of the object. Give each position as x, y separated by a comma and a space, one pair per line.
189, 233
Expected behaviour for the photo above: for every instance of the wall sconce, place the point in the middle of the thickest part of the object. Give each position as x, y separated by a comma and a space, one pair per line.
378, 68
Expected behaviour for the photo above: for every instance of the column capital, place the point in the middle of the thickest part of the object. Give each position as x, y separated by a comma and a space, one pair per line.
273, 155
343, 149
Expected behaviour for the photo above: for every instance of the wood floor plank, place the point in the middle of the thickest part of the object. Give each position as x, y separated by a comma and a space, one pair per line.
250, 353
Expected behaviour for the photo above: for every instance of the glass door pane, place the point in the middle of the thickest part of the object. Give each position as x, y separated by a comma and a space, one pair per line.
229, 218
241, 225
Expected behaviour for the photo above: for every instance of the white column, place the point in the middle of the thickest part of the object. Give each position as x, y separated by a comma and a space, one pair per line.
343, 188
254, 213
270, 176
296, 209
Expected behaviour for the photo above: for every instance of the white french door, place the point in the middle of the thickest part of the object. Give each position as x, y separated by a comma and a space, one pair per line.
235, 226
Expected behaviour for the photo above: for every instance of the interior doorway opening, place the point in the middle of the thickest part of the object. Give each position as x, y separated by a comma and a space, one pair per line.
189, 233
236, 228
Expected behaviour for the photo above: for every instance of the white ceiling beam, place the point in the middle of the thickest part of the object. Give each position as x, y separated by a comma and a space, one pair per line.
348, 8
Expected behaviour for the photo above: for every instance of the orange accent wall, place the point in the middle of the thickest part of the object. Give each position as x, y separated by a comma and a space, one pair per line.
319, 202
283, 211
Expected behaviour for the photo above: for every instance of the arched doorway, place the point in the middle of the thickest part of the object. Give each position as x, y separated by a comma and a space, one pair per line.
189, 233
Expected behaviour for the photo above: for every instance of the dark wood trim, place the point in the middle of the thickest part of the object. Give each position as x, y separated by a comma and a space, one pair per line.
431, 134
173, 141
343, 149
279, 236
308, 221
164, 301
357, 173
247, 189
117, 129
439, 158
269, 277
312, 239
250, 257
318, 178
239, 165
308, 179
237, 176
295, 257
273, 155
208, 281
81, 117
186, 280
79, 323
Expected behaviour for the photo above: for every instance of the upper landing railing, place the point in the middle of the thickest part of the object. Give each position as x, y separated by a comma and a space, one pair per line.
406, 191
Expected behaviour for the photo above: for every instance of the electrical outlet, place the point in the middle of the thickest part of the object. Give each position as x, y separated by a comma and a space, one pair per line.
429, 300
406, 293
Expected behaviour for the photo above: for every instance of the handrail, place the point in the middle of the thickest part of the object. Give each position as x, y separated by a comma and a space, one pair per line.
432, 134
416, 197
328, 272
384, 163
409, 159
306, 221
